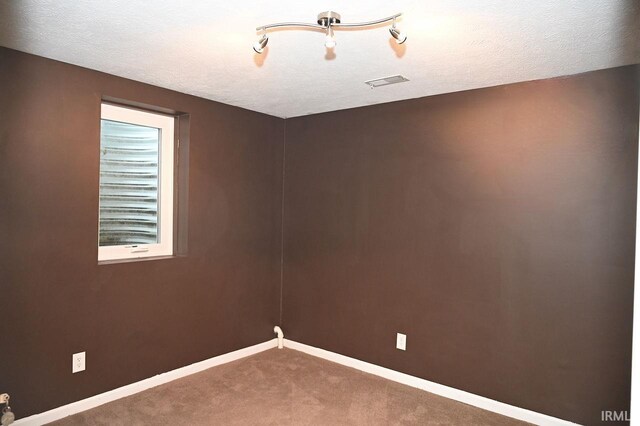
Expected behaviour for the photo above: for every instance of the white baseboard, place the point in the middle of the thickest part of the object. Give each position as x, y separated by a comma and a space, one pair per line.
416, 382
112, 395
446, 391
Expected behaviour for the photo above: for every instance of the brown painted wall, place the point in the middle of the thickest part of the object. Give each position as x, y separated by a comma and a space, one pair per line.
494, 227
137, 319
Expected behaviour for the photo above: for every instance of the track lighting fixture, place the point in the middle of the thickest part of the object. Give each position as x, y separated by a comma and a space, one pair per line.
328, 21
397, 34
259, 45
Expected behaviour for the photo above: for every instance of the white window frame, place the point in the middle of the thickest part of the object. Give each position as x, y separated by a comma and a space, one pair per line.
165, 184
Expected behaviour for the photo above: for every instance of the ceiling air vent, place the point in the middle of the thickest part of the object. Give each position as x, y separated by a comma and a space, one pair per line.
386, 81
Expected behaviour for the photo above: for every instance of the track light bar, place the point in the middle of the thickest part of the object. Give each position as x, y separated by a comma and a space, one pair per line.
328, 21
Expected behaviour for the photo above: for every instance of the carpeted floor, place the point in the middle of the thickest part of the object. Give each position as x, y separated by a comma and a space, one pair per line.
284, 387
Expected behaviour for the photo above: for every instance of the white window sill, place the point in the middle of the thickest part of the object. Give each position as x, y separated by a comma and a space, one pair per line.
136, 259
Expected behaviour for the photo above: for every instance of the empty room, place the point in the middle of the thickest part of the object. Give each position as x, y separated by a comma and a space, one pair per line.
319, 213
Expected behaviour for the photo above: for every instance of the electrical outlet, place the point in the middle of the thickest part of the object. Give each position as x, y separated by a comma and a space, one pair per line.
78, 362
401, 342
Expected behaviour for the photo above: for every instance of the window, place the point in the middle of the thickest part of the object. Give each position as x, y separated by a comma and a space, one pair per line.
136, 184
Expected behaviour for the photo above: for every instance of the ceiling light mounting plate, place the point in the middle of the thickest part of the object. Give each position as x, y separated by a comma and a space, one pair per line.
328, 18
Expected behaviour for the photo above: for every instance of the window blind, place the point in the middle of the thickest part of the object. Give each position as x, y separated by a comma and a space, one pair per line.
129, 157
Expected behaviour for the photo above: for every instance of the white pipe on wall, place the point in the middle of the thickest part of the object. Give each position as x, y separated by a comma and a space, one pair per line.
280, 334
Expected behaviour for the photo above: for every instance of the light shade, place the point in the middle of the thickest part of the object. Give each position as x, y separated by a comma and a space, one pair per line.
259, 45
329, 41
399, 36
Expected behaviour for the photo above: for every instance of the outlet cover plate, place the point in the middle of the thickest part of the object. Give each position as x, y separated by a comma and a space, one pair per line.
401, 342
78, 362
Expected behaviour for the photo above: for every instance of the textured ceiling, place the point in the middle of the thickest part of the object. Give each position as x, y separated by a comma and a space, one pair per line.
204, 47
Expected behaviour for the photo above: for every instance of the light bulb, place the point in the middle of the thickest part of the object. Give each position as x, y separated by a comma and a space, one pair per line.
329, 42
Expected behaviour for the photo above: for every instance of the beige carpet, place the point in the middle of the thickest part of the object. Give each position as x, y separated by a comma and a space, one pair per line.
284, 387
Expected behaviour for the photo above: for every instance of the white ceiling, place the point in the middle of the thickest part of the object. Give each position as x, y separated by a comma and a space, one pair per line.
204, 47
